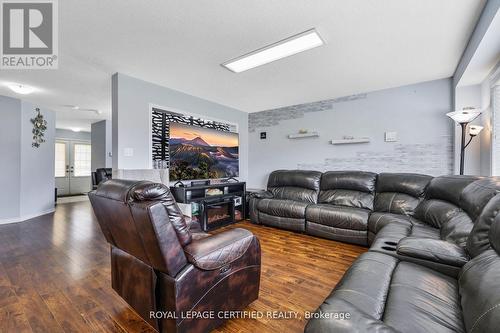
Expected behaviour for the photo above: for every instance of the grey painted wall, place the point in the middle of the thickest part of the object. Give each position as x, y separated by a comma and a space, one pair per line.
131, 99
10, 157
416, 112
101, 144
70, 135
37, 164
27, 173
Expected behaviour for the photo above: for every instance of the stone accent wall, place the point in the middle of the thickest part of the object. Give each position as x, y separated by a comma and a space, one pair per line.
430, 159
273, 117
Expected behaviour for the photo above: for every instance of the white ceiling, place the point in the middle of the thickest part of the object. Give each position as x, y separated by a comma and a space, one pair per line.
180, 44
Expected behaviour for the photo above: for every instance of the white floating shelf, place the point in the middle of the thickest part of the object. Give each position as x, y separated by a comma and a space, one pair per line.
303, 135
348, 141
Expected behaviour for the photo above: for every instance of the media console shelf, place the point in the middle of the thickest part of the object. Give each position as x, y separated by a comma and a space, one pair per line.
214, 205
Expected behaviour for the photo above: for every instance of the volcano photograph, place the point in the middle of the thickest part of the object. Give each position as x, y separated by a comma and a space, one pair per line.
202, 153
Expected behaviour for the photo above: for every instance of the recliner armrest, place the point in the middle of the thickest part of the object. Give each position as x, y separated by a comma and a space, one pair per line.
434, 250
263, 195
216, 251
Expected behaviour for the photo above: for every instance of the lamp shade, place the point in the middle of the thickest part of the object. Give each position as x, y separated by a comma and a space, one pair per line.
475, 130
464, 116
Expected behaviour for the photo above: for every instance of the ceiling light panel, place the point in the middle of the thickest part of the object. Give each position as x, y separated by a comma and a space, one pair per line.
21, 88
285, 48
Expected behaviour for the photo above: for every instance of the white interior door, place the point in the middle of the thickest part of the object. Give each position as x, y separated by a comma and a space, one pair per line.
80, 169
72, 167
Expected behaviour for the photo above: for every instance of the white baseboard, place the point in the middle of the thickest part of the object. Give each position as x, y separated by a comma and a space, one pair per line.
25, 217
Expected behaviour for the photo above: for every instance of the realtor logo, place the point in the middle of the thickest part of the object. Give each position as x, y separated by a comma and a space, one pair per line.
29, 34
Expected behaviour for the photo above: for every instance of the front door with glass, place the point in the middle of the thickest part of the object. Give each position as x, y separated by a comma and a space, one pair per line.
72, 167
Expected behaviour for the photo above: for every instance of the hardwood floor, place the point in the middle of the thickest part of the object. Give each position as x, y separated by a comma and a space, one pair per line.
55, 277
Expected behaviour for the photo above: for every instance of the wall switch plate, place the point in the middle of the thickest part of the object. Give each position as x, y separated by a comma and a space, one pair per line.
391, 136
128, 152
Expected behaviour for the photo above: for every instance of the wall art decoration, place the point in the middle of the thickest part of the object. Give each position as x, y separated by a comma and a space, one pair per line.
160, 131
39, 128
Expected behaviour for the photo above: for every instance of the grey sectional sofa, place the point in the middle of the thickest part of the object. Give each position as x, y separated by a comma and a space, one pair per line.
433, 246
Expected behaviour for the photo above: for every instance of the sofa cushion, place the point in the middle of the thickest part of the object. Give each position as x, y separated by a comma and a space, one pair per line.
283, 208
478, 281
384, 294
454, 223
352, 236
448, 188
399, 193
366, 283
288, 223
299, 185
348, 188
338, 216
436, 212
422, 300
331, 316
436, 250
480, 299
477, 194
390, 235
479, 239
379, 220
424, 231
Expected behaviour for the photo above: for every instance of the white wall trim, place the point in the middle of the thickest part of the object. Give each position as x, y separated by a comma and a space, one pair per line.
26, 217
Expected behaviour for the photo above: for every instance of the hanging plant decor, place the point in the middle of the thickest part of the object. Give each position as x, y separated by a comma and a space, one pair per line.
39, 128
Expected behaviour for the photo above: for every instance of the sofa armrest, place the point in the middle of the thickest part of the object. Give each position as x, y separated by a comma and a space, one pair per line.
219, 250
434, 250
262, 195
340, 316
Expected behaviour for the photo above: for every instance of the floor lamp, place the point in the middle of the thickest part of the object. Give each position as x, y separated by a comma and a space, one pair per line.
463, 118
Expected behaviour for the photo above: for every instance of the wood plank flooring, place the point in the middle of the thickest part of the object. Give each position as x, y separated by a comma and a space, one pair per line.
55, 277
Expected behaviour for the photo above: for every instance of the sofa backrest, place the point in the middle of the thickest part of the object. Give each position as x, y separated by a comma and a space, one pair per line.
400, 193
103, 174
348, 188
143, 220
441, 208
479, 238
478, 281
477, 194
298, 185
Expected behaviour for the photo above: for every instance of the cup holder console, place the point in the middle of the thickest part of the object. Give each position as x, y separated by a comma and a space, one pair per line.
389, 248
391, 243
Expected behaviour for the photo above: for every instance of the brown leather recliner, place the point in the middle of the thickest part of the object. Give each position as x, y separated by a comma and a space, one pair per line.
167, 273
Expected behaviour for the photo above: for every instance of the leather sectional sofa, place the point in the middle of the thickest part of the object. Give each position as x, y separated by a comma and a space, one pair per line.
433, 263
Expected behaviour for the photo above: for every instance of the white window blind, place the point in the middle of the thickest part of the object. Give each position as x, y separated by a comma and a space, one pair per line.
60, 165
82, 160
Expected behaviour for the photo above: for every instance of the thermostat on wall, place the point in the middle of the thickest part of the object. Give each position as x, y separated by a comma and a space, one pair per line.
391, 136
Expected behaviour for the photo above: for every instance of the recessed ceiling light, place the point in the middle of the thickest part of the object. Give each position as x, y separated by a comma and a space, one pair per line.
21, 88
285, 48
77, 108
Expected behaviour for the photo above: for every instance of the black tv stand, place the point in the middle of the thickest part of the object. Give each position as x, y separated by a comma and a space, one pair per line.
214, 205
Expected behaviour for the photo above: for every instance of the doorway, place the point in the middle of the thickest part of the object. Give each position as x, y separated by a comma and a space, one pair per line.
72, 167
